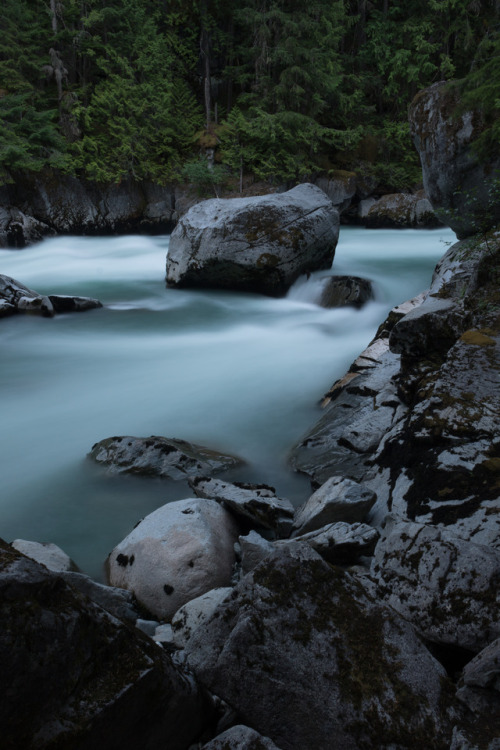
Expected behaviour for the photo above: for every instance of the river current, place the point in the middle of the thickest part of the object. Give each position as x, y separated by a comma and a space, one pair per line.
236, 372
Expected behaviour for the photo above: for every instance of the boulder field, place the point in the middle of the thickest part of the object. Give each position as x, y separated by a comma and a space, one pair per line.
366, 618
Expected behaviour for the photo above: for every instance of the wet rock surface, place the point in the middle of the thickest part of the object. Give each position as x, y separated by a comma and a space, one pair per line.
159, 456
260, 244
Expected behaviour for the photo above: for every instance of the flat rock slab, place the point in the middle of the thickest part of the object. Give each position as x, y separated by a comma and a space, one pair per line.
257, 503
259, 244
175, 554
340, 543
447, 587
74, 676
307, 657
338, 499
160, 457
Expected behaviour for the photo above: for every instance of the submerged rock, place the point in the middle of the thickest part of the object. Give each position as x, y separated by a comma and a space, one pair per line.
74, 676
159, 456
259, 244
304, 654
175, 554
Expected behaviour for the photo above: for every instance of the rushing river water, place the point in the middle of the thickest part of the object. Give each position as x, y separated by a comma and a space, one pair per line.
237, 372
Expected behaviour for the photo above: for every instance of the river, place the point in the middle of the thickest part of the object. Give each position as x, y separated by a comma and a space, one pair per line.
237, 372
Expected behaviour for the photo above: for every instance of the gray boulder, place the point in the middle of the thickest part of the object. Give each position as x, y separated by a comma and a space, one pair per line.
340, 291
259, 244
257, 503
398, 210
175, 554
17, 229
240, 738
340, 188
74, 676
447, 587
304, 654
338, 499
461, 188
159, 456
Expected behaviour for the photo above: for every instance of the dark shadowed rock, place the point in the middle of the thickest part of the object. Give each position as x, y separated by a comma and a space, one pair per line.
159, 456
65, 303
462, 189
260, 244
75, 677
340, 291
340, 543
304, 654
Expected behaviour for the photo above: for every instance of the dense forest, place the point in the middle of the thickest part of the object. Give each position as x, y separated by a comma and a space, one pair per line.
210, 89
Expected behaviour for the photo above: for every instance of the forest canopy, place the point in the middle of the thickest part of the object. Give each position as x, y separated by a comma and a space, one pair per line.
276, 88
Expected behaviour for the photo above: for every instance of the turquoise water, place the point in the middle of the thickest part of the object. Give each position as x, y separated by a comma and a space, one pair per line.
236, 372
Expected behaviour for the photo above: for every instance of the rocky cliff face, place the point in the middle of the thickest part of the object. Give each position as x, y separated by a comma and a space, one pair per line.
464, 190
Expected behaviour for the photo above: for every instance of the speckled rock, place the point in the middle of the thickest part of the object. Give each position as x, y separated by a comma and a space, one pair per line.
259, 244
175, 554
461, 188
159, 456
304, 654
257, 503
23, 298
240, 738
447, 587
338, 499
194, 613
74, 676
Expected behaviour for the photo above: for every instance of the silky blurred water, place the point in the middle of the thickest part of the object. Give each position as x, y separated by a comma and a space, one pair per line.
236, 372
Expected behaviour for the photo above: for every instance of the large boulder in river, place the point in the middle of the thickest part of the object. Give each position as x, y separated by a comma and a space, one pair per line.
259, 244
73, 676
175, 554
398, 210
462, 188
307, 657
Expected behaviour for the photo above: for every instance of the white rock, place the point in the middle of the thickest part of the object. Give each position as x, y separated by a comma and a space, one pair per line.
194, 613
175, 554
50, 555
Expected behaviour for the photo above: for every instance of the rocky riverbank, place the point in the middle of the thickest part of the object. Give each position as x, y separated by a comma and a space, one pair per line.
366, 618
